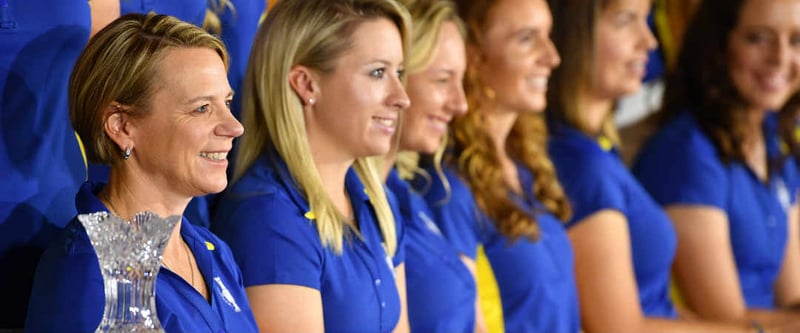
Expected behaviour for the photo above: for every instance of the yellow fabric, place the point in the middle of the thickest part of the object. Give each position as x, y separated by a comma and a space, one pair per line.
675, 295
488, 294
83, 154
661, 21
605, 143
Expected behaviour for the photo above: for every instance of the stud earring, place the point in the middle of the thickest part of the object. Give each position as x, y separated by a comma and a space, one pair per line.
127, 154
311, 101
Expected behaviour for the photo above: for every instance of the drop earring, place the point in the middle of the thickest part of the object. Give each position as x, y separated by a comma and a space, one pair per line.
126, 154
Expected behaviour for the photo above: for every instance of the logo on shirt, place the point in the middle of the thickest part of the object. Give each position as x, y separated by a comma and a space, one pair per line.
226, 294
783, 194
429, 223
391, 266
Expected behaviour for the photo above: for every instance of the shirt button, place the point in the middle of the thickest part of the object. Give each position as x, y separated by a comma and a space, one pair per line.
383, 304
377, 282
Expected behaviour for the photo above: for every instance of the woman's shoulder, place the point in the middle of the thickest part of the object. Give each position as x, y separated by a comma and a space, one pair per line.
681, 135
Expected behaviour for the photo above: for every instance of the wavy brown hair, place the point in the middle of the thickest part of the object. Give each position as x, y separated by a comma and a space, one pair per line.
476, 158
701, 84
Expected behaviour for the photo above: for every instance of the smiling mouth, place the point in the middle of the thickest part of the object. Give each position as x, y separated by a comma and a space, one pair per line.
214, 156
538, 82
388, 122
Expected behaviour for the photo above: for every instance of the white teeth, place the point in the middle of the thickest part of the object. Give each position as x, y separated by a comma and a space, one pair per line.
539, 82
775, 80
385, 121
214, 156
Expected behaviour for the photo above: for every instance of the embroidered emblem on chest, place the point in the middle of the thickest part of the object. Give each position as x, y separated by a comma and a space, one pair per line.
783, 194
223, 291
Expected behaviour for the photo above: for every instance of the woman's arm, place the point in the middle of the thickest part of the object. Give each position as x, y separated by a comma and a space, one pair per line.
286, 308
609, 295
103, 12
704, 267
400, 281
787, 287
604, 273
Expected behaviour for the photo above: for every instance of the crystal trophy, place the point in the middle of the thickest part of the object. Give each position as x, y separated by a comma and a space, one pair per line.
129, 253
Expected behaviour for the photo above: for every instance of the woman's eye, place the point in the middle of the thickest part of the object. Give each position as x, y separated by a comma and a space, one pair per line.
378, 73
202, 109
228, 103
755, 38
795, 40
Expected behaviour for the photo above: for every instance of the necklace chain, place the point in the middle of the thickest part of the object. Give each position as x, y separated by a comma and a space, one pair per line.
110, 205
163, 262
188, 259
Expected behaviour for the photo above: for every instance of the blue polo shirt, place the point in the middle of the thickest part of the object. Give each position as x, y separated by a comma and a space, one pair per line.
68, 292
239, 28
267, 221
681, 166
192, 11
536, 279
40, 161
595, 179
441, 290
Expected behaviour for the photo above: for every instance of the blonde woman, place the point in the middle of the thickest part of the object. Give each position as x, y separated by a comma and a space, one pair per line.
441, 289
311, 226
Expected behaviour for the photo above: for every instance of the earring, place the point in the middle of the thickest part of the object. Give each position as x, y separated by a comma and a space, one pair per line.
311, 101
127, 154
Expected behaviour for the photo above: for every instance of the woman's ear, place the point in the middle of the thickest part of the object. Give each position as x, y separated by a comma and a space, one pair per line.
115, 124
304, 82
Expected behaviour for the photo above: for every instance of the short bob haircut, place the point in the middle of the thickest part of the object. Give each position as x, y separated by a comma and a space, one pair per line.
118, 66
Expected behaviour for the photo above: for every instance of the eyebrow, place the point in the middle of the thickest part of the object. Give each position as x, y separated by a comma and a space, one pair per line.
208, 98
385, 62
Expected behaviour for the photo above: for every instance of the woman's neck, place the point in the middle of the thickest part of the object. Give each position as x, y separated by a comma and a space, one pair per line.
754, 146
388, 162
595, 111
129, 192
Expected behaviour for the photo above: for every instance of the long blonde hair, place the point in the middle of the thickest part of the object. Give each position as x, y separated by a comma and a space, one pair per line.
476, 157
313, 34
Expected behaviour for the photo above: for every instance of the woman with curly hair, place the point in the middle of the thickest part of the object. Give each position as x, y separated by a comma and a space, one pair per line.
504, 192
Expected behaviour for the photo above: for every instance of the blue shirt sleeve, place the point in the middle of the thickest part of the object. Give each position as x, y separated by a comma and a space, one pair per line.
682, 167
456, 213
589, 185
272, 241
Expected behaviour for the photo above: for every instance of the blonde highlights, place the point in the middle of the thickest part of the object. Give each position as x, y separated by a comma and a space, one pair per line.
574, 34
428, 17
119, 66
313, 34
